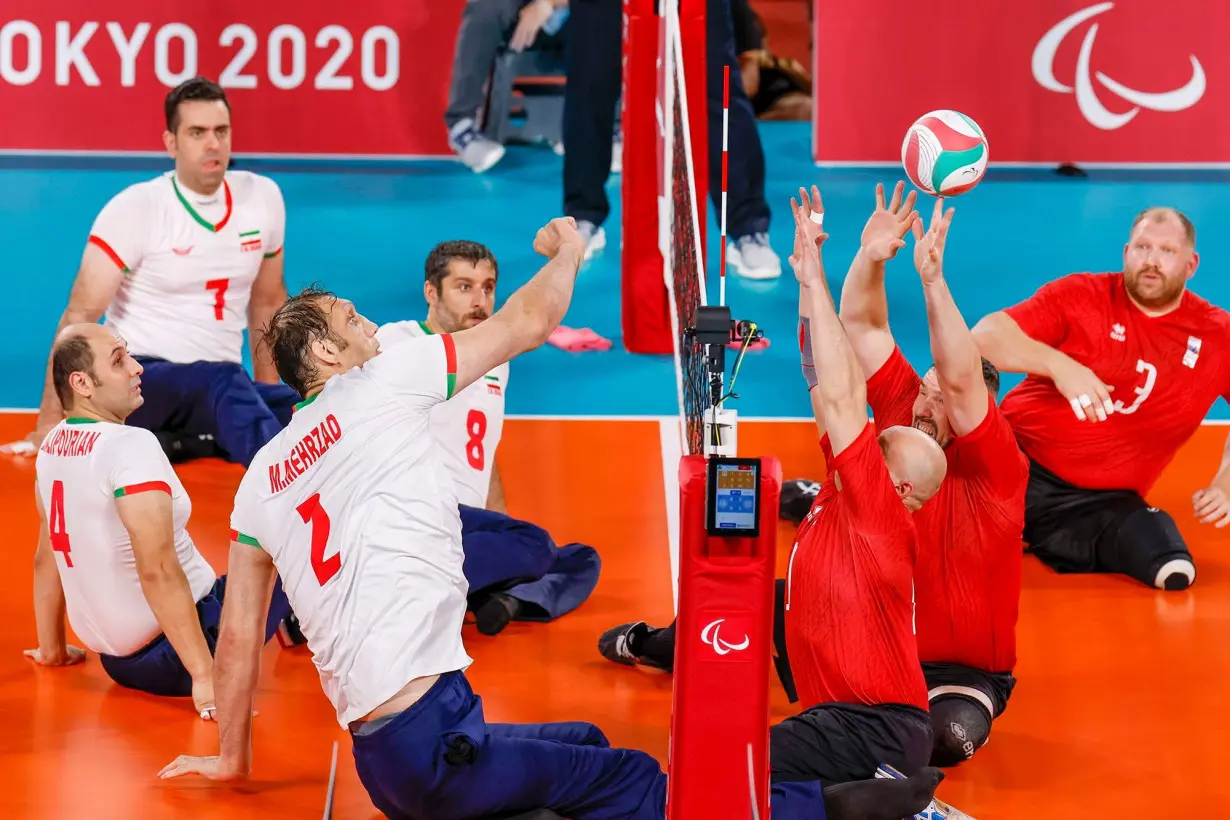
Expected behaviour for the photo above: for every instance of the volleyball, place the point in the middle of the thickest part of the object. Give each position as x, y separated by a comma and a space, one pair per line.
944, 153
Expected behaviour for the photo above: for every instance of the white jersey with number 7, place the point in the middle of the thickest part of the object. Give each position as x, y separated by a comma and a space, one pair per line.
468, 425
354, 504
189, 262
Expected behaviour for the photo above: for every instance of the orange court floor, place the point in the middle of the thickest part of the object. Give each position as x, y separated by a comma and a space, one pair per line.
1120, 710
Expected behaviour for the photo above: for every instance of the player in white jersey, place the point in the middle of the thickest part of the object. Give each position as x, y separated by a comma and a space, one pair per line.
181, 265
514, 568
114, 553
353, 508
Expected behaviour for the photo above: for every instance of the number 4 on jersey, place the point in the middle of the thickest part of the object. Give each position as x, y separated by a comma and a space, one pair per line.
55, 523
313, 514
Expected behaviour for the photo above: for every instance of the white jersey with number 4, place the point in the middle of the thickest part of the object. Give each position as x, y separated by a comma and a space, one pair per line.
82, 467
189, 262
468, 425
353, 503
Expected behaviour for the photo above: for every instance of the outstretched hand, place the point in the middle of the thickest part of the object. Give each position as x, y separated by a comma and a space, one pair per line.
884, 233
929, 246
809, 235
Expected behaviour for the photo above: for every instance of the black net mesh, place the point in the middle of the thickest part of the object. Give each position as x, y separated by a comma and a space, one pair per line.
685, 268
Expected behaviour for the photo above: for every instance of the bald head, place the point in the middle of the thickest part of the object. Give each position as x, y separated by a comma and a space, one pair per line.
90, 364
915, 462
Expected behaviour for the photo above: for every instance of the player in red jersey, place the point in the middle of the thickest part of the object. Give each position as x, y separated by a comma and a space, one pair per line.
1122, 368
968, 573
849, 597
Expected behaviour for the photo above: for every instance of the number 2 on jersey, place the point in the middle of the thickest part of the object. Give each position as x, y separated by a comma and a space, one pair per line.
55, 523
218, 286
314, 515
476, 428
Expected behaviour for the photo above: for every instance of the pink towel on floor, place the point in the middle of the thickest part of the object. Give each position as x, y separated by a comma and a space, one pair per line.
577, 340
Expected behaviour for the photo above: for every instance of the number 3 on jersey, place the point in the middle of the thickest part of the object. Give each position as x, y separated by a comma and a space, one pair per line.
315, 516
55, 523
476, 429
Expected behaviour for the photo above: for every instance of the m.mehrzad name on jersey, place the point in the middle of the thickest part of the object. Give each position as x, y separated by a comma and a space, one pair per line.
304, 454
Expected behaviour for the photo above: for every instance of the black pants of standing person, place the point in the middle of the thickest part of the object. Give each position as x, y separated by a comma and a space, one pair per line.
594, 61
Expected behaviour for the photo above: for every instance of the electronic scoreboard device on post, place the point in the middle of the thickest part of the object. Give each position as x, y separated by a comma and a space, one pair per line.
719, 750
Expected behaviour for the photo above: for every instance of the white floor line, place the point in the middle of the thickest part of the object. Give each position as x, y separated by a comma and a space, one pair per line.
670, 434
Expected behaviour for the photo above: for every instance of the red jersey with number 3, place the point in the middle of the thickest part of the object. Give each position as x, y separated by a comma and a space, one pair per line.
1166, 371
850, 588
968, 573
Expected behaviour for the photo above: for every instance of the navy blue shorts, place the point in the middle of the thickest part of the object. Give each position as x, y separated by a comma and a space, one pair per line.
156, 669
213, 398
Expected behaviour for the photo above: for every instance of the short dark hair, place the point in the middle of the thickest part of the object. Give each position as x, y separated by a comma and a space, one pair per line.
71, 354
990, 375
302, 319
436, 266
1158, 213
196, 89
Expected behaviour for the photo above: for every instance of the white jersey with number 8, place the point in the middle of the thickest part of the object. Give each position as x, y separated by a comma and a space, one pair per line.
353, 503
189, 262
469, 425
82, 467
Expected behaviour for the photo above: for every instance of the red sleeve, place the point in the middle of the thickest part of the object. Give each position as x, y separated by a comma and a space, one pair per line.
891, 392
867, 491
990, 457
1044, 316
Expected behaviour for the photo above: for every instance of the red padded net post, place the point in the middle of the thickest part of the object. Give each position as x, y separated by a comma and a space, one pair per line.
645, 303
723, 648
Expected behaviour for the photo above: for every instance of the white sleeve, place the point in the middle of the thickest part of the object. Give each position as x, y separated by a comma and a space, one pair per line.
138, 464
122, 227
394, 333
421, 372
245, 523
277, 217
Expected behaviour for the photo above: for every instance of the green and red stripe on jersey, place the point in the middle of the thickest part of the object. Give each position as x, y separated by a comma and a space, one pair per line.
200, 219
143, 487
101, 243
450, 362
239, 537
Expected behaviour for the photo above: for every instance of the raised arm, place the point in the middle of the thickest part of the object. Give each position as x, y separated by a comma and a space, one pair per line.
531, 314
237, 664
958, 364
864, 304
841, 389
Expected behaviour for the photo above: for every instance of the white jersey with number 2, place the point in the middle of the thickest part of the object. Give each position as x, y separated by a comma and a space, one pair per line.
189, 262
353, 503
468, 425
82, 468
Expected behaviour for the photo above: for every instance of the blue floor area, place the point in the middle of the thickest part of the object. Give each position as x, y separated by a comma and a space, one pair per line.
364, 230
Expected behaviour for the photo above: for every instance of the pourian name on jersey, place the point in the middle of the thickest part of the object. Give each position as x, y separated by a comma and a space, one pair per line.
304, 454
68, 442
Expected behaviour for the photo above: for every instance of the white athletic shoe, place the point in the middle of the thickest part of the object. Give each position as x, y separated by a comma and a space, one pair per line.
594, 236
475, 150
751, 257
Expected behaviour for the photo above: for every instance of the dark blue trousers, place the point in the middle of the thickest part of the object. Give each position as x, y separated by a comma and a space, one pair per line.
156, 669
441, 760
747, 208
214, 398
520, 559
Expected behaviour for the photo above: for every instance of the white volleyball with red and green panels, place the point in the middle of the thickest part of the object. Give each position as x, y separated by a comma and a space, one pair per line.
944, 153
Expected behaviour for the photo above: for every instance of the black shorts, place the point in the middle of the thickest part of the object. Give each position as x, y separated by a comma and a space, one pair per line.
842, 742
989, 689
1072, 529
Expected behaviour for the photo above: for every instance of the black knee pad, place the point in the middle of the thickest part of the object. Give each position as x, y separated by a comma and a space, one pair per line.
962, 726
1150, 549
